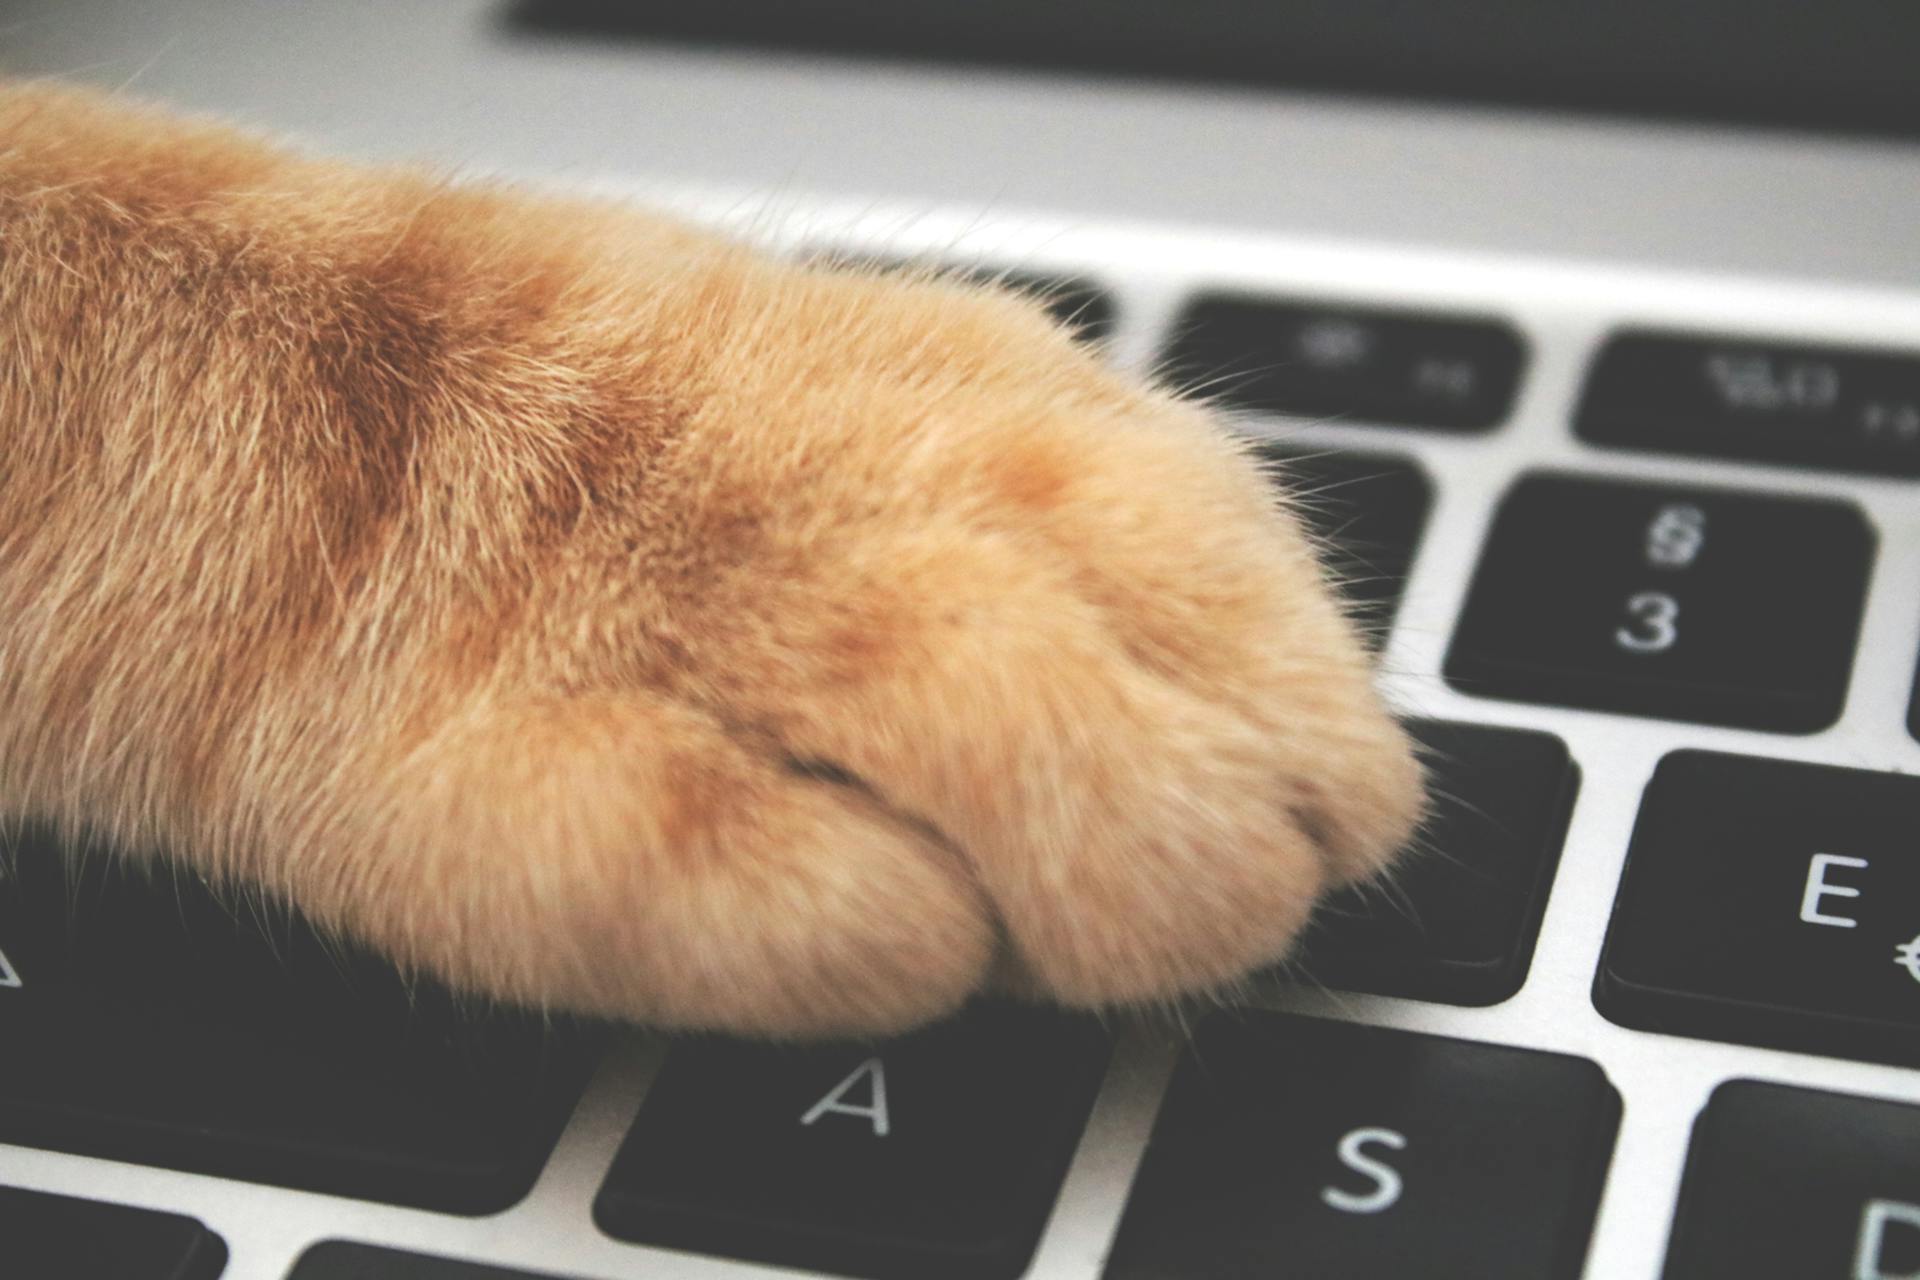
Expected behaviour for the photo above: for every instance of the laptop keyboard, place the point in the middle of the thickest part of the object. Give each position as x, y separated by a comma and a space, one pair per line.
1574, 609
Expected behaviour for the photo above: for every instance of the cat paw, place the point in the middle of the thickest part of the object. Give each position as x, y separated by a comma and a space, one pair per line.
630, 857
1065, 623
594, 615
960, 654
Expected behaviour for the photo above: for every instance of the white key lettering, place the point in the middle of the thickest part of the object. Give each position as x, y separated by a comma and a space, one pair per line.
1654, 615
9, 976
1756, 382
1334, 343
1907, 956
1818, 887
1449, 379
875, 1111
1897, 421
1675, 534
1386, 1179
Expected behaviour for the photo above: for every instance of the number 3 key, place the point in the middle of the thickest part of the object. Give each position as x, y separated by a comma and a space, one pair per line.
1712, 605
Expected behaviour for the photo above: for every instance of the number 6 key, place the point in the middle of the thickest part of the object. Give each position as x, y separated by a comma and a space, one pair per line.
1712, 605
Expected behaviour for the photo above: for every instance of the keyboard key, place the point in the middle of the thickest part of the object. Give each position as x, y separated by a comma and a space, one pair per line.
1791, 1182
1298, 1147
1771, 903
932, 1156
145, 1021
1832, 407
1458, 920
1326, 360
1838, 68
1369, 509
1076, 302
344, 1260
1913, 707
59, 1236
1690, 604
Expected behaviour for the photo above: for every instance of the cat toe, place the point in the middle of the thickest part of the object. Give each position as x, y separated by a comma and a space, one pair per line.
1139, 835
624, 857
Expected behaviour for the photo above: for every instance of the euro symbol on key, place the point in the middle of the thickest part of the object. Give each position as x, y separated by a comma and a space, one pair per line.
1908, 954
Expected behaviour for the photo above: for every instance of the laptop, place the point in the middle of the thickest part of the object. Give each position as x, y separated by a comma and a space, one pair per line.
1590, 338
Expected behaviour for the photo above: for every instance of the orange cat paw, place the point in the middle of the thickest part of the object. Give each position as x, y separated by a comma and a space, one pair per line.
594, 615
1065, 623
954, 650
625, 856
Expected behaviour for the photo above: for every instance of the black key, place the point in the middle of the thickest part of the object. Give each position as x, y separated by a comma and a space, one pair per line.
1369, 510
344, 1260
1691, 604
1791, 1182
1079, 304
1296, 1147
1771, 903
1074, 301
1843, 65
59, 1236
932, 1156
1913, 707
1834, 407
147, 1021
1326, 360
1457, 919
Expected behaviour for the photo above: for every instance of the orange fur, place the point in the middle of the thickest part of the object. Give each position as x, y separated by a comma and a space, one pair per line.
584, 610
